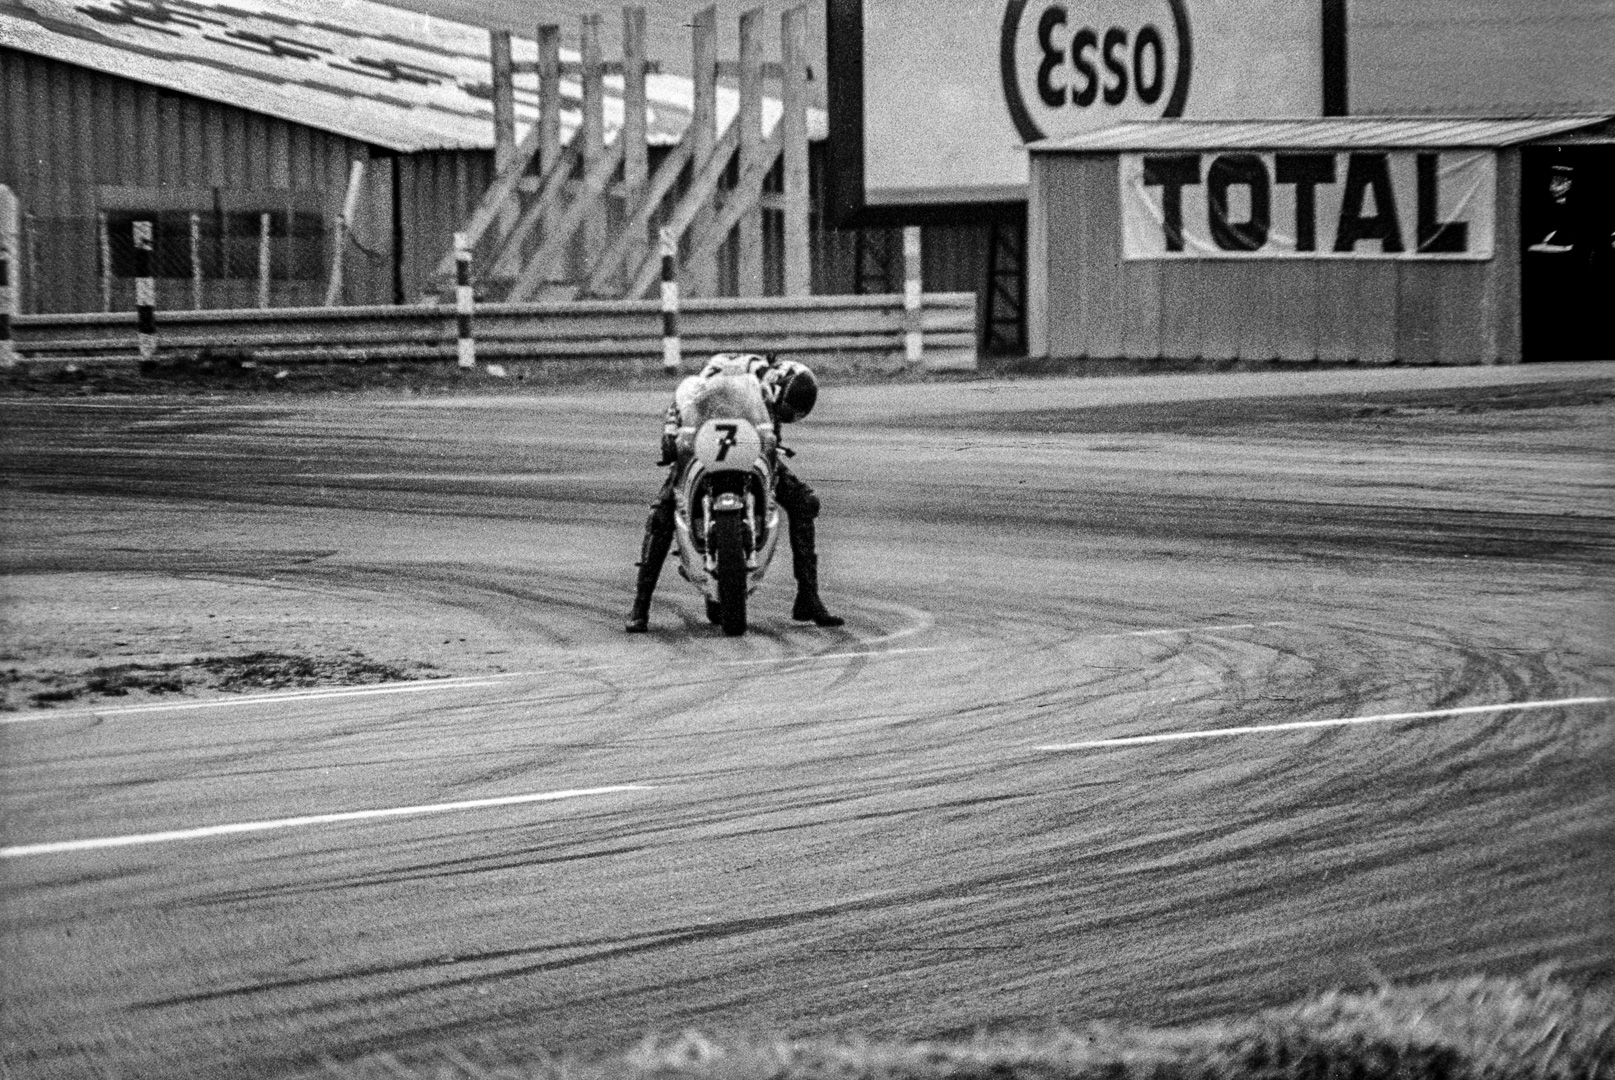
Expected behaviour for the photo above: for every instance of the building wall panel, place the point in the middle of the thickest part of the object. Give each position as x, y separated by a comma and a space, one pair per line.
1504, 296
1182, 306
1372, 310
66, 132
1295, 335
1376, 299
1125, 297
1068, 262
1461, 326
1418, 311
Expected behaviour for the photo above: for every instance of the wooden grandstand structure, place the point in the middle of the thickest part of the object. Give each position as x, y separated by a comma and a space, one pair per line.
582, 220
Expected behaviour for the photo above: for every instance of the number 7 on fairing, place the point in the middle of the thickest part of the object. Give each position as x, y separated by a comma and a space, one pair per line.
730, 433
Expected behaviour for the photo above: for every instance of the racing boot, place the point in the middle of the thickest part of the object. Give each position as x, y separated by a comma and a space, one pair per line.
805, 563
658, 539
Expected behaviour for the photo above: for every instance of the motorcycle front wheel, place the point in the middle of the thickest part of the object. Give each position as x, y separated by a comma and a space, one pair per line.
727, 541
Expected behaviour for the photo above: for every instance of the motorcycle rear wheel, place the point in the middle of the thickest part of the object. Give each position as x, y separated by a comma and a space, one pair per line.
727, 540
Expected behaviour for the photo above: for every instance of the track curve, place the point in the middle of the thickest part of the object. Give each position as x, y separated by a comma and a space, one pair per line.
812, 831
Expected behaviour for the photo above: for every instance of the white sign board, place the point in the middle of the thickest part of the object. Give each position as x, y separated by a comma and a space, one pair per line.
1403, 204
952, 92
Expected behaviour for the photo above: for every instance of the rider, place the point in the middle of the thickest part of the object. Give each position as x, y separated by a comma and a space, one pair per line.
790, 390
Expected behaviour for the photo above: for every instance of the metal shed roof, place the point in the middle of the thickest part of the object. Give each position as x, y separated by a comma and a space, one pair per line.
1332, 133
374, 73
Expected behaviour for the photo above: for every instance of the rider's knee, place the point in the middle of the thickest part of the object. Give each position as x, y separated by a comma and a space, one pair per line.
798, 500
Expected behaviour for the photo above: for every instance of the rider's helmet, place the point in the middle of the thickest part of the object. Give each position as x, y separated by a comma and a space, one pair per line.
795, 393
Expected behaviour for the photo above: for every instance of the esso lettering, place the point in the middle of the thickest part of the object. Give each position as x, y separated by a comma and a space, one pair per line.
1082, 66
1077, 65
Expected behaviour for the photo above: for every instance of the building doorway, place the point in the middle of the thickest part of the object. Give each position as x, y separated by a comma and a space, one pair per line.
1567, 272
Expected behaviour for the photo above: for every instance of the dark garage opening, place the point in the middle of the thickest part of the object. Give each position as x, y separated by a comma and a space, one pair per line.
1567, 275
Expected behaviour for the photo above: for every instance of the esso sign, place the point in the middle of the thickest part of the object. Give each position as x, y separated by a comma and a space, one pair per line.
1077, 65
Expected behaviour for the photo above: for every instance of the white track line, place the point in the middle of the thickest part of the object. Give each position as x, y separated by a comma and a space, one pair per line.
315, 819
1301, 725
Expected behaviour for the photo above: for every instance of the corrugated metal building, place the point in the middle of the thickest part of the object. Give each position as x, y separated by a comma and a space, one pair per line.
234, 125
1374, 239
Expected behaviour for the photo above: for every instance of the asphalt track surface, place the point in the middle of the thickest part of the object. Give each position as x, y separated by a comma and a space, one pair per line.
900, 828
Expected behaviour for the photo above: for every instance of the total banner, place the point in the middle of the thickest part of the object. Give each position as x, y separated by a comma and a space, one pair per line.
1401, 204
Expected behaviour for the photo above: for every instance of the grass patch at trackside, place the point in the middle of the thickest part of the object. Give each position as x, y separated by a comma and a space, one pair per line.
232, 674
1475, 1029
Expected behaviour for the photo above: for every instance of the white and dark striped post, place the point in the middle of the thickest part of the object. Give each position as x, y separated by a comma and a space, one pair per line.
465, 303
913, 301
8, 283
141, 239
672, 350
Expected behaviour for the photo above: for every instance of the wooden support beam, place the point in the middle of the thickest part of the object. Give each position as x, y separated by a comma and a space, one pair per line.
584, 205
701, 279
750, 223
793, 51
633, 231
635, 152
549, 96
593, 134
742, 202
493, 201
694, 209
504, 115
504, 100
543, 209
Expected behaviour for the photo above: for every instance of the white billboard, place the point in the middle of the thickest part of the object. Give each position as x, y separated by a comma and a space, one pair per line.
952, 91
1309, 204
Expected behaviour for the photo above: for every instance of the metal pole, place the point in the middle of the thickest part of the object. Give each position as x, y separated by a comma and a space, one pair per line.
464, 303
263, 259
8, 288
672, 358
142, 235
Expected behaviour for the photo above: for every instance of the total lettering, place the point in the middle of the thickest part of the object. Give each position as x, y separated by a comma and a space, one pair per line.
1358, 203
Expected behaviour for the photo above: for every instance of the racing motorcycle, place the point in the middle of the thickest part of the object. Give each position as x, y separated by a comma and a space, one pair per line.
725, 520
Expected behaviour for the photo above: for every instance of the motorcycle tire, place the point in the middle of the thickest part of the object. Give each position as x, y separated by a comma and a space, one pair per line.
727, 541
714, 613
